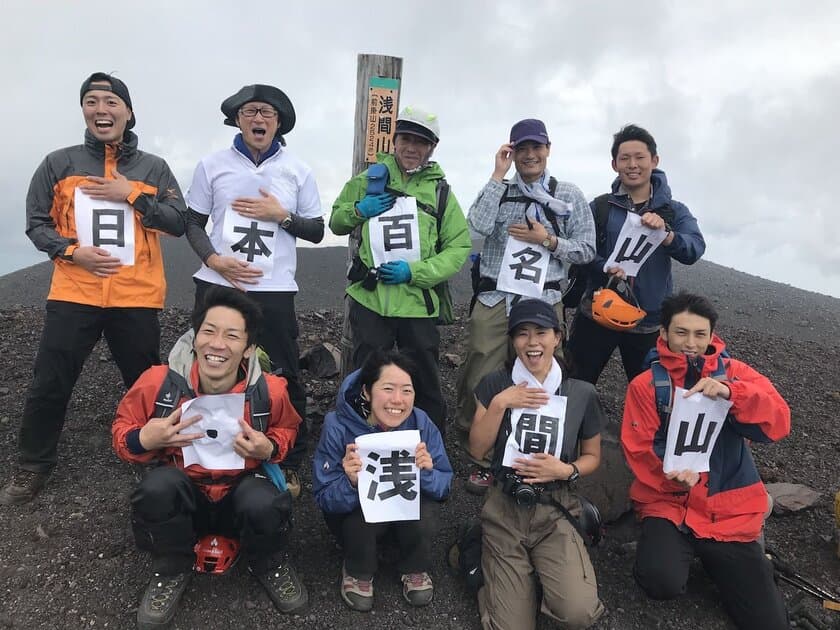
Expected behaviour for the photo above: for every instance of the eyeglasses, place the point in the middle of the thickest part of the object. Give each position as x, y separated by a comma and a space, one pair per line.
265, 112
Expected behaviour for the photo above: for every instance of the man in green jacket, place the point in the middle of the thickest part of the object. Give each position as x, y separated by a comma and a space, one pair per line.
405, 251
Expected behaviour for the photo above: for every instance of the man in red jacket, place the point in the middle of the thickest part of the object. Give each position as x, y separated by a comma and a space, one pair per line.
715, 515
174, 503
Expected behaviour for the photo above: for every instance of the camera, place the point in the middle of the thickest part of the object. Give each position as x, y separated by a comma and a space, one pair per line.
359, 272
370, 280
524, 494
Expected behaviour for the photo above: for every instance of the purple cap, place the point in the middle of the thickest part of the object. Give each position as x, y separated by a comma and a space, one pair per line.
529, 129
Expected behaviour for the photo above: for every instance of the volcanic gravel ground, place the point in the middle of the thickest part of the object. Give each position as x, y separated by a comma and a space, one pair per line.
68, 560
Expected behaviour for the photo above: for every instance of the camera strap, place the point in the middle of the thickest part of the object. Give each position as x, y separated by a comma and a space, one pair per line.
547, 499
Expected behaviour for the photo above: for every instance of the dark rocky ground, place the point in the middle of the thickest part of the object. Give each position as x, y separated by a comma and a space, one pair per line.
68, 559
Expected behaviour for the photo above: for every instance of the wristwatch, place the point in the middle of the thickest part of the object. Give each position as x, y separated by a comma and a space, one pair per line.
547, 242
285, 223
575, 474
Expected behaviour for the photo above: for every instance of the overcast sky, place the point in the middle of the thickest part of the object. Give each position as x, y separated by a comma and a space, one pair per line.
740, 96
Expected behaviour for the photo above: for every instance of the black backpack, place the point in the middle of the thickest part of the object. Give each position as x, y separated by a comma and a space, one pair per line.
174, 386
579, 274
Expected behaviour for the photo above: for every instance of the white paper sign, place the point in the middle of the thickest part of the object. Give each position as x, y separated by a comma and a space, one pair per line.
105, 224
693, 429
250, 240
536, 431
395, 234
389, 482
220, 414
634, 246
524, 268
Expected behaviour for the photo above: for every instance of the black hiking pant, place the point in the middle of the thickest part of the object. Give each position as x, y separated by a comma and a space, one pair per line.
360, 539
278, 338
591, 346
742, 573
169, 513
417, 338
70, 333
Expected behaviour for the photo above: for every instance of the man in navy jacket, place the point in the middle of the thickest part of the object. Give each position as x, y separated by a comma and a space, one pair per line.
640, 188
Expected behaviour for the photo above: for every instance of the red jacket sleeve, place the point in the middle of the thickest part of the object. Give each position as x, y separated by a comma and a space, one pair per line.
638, 428
134, 410
760, 412
284, 421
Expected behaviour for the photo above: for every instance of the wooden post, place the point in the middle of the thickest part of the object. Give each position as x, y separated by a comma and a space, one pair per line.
369, 69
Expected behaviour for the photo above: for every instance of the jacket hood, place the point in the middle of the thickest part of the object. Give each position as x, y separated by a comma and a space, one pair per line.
349, 392
659, 182
182, 357
345, 408
679, 365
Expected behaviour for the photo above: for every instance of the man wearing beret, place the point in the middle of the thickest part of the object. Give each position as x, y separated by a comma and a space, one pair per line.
394, 302
97, 210
261, 199
535, 227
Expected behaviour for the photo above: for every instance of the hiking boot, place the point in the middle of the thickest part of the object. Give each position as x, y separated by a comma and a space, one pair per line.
292, 482
160, 601
284, 588
418, 589
24, 486
357, 594
480, 479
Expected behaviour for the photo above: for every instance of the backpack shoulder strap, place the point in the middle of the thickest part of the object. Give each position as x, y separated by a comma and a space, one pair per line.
442, 194
552, 185
662, 390
602, 213
259, 404
720, 371
169, 395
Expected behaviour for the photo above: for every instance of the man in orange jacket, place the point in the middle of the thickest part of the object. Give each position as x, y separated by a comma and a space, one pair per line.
83, 200
176, 501
715, 515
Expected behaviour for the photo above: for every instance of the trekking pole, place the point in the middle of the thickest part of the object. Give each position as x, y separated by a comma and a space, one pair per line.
786, 573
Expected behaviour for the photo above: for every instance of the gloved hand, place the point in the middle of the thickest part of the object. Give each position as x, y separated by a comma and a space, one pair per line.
395, 272
373, 205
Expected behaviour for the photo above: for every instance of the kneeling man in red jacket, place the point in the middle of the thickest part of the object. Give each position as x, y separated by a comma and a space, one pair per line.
715, 515
178, 501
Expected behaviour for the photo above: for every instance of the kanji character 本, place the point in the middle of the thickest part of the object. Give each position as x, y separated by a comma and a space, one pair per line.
640, 249
386, 104
252, 244
396, 470
396, 231
526, 268
537, 434
695, 446
108, 232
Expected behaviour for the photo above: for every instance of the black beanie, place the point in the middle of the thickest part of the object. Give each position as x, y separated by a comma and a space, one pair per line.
117, 87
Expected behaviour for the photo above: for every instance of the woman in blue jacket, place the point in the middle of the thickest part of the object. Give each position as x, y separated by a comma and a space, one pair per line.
379, 397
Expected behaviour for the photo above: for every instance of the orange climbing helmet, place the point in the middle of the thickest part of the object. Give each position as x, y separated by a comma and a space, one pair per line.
215, 554
616, 309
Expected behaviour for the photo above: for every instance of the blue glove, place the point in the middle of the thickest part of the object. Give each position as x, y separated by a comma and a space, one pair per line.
373, 205
395, 272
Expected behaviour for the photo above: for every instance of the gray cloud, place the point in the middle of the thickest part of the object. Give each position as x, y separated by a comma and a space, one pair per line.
738, 97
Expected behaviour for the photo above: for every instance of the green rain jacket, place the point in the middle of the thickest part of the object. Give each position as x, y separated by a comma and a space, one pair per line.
407, 299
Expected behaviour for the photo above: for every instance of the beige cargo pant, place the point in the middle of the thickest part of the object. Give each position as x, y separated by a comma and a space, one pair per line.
521, 545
